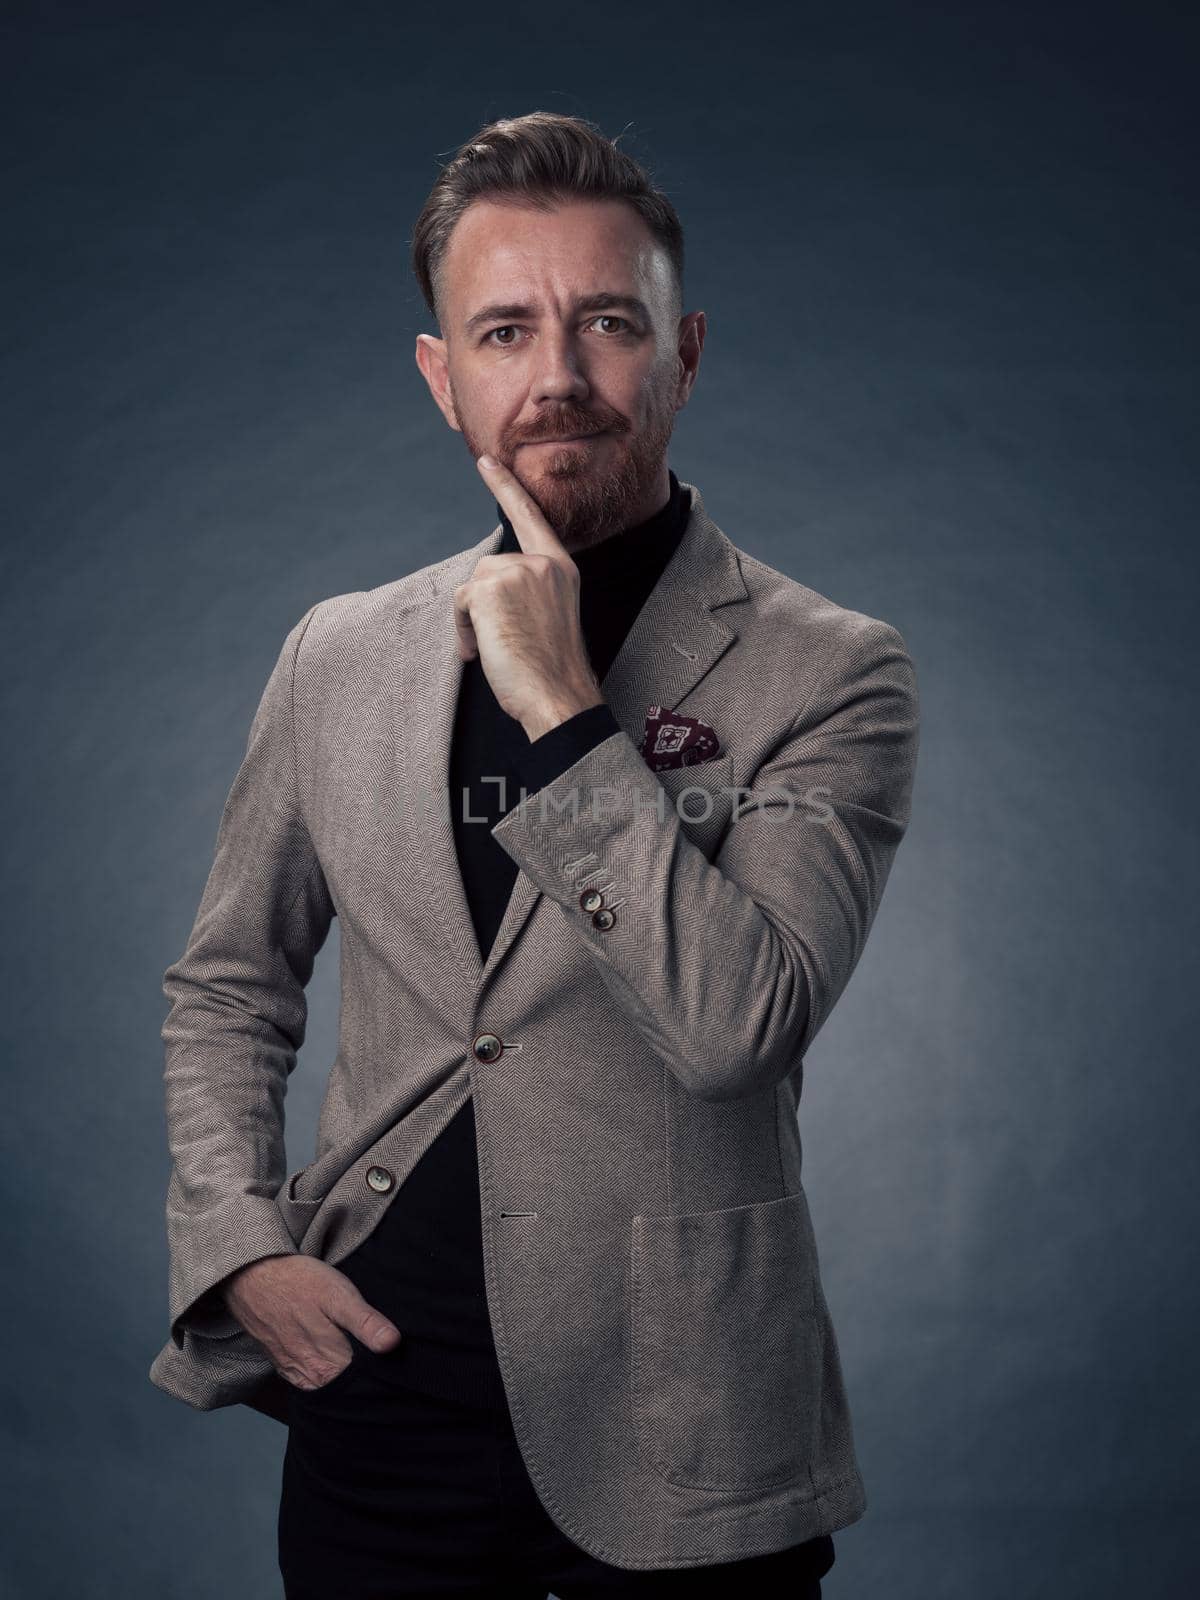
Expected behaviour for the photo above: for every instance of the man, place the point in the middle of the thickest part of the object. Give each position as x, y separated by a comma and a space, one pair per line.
545, 1310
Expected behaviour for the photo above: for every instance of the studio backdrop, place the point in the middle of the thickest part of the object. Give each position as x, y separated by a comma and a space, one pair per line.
948, 260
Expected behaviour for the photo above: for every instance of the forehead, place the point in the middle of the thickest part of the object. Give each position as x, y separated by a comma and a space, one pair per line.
504, 250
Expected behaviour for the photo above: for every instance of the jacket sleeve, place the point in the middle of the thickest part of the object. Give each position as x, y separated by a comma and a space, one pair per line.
730, 967
237, 1018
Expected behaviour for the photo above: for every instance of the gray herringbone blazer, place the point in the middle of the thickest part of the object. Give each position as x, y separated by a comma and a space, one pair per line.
651, 1271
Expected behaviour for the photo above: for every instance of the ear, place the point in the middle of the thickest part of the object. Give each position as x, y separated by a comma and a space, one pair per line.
430, 356
692, 329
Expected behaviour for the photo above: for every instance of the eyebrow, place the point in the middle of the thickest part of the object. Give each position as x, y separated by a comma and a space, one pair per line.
511, 311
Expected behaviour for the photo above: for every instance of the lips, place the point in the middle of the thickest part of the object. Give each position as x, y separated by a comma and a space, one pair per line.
567, 438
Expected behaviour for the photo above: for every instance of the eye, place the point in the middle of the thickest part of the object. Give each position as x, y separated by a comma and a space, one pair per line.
510, 327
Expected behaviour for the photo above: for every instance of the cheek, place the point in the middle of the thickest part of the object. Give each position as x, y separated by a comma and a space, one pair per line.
503, 399
488, 412
653, 394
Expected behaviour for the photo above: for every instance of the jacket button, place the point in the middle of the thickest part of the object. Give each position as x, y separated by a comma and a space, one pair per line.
591, 899
380, 1179
487, 1047
604, 918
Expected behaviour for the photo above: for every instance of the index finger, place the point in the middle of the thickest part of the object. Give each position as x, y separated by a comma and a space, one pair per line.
534, 533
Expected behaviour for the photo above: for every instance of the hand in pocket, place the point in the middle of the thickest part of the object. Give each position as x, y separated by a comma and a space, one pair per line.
301, 1309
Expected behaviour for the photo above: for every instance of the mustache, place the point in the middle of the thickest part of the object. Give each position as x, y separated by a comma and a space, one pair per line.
567, 423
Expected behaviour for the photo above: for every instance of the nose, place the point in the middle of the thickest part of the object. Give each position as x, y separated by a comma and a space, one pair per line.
558, 375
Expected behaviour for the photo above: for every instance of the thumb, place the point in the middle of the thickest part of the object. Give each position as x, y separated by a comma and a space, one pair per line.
361, 1318
379, 1333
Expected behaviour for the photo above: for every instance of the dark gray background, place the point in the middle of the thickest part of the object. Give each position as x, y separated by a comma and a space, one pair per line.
948, 256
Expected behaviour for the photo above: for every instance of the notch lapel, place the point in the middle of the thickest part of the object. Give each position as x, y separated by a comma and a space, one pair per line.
675, 639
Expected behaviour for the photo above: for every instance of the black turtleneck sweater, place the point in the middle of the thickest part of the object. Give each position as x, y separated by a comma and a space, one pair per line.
423, 1263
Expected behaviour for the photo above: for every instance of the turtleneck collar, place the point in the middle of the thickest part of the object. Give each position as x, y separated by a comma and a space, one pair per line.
619, 558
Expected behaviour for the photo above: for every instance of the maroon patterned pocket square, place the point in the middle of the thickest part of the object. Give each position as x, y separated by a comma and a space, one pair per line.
672, 740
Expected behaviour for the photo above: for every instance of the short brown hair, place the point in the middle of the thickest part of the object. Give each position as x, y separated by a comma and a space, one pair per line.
540, 159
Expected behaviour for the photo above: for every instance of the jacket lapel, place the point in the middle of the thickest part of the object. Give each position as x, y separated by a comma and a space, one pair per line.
675, 638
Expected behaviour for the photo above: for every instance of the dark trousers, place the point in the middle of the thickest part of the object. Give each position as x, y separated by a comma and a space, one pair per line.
388, 1492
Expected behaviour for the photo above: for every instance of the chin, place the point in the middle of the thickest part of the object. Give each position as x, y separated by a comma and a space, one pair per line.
558, 486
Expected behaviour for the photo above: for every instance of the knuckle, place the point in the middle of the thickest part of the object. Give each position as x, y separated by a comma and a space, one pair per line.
292, 1372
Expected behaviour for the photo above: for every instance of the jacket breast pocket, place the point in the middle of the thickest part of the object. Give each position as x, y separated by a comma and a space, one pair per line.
726, 1344
702, 798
